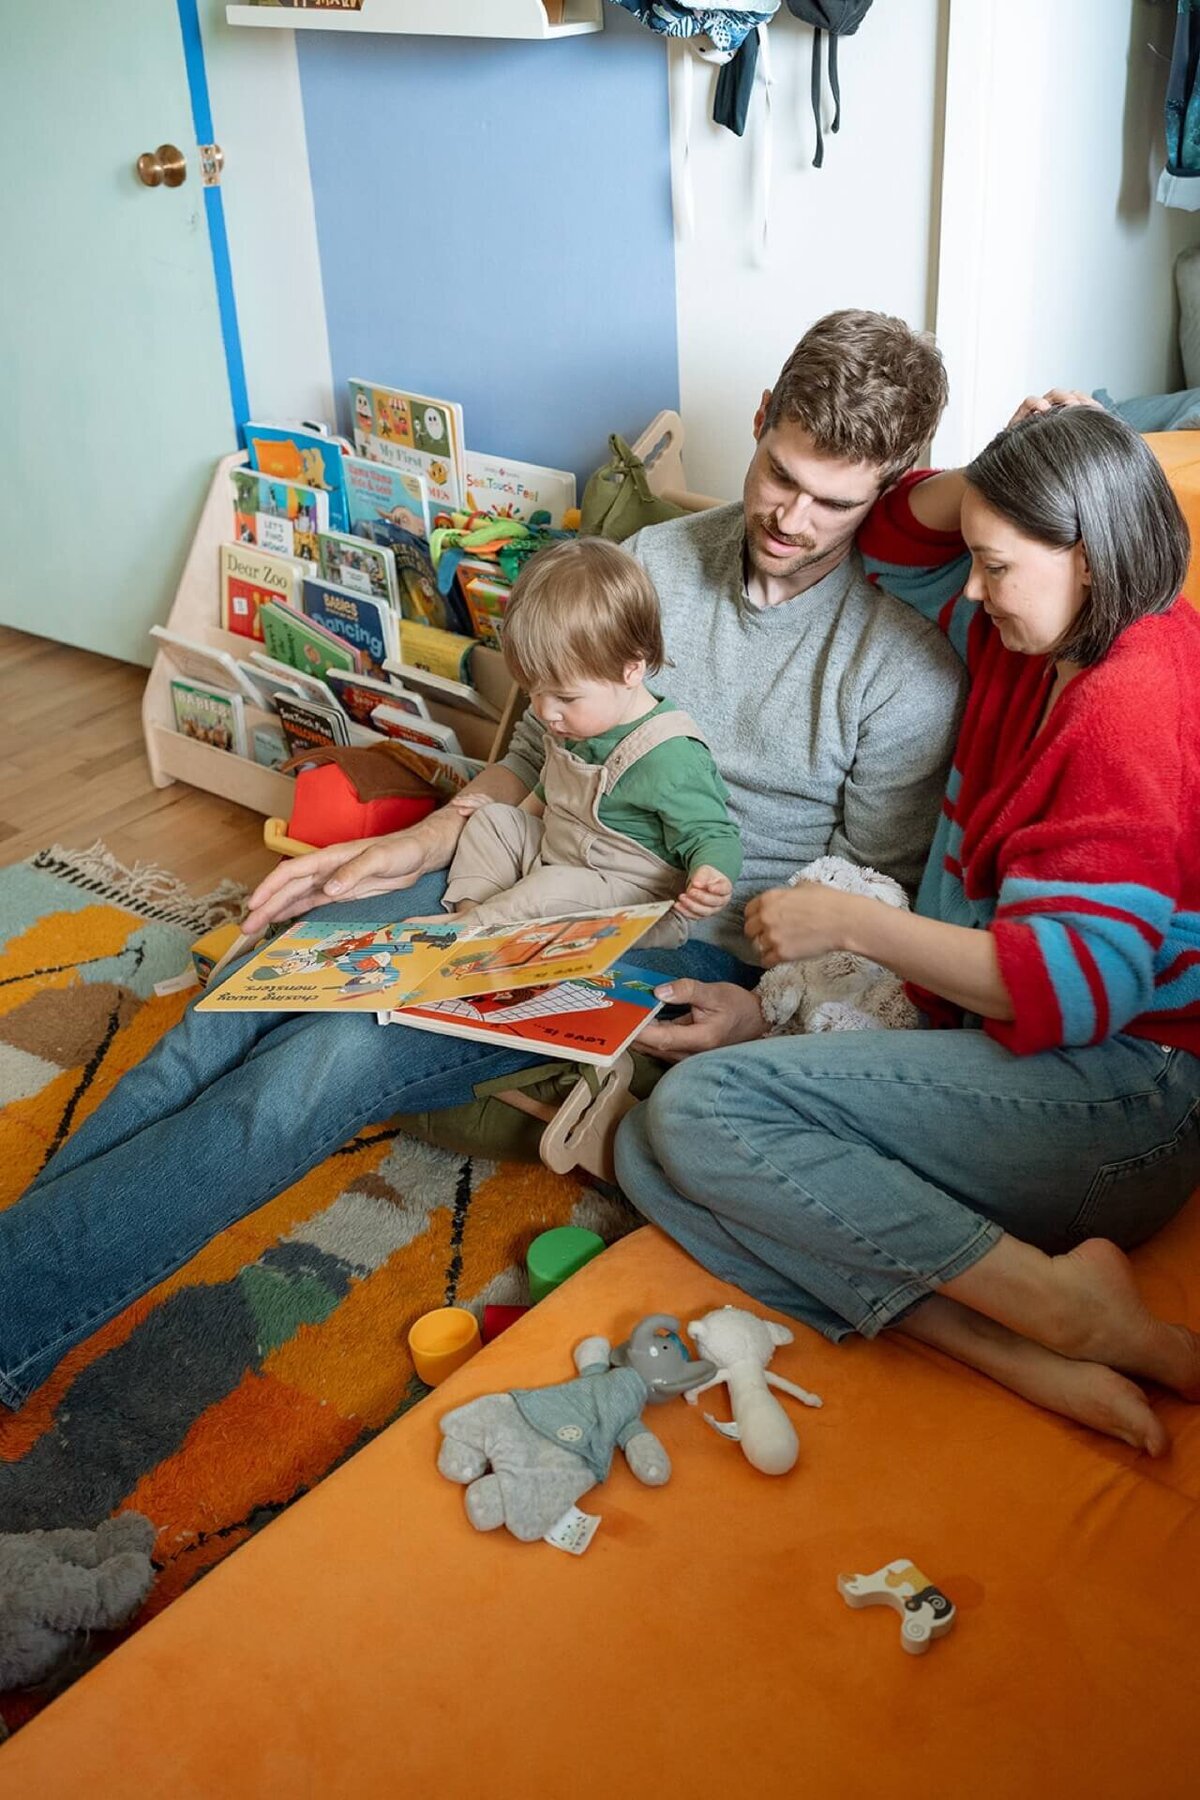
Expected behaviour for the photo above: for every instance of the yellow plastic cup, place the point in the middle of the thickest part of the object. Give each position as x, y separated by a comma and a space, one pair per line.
441, 1341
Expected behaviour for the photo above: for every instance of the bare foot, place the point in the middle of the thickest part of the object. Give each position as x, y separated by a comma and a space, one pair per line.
1086, 1392
1107, 1321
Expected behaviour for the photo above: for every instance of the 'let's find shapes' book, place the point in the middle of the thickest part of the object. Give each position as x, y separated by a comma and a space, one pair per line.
281, 516
325, 966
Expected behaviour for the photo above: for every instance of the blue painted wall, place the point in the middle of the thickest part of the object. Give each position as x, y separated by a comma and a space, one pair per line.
494, 225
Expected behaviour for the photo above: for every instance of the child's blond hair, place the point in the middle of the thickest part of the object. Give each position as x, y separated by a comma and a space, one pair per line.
582, 610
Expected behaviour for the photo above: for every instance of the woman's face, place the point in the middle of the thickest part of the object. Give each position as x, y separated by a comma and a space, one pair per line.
1033, 592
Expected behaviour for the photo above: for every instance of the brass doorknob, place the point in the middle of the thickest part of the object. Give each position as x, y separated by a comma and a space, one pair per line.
164, 167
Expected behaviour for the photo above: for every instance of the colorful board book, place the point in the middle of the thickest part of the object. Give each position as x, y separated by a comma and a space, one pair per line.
486, 600
309, 727
444, 653
295, 454
353, 562
304, 644
323, 965
381, 500
516, 490
393, 721
359, 695
413, 433
252, 578
588, 1021
280, 516
367, 625
210, 716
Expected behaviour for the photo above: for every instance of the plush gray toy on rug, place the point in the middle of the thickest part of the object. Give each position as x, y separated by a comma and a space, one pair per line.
527, 1456
57, 1585
838, 991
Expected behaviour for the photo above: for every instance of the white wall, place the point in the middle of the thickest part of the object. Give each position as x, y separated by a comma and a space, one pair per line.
254, 87
856, 232
1055, 259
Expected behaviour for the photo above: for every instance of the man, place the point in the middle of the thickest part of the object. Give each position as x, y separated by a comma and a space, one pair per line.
831, 713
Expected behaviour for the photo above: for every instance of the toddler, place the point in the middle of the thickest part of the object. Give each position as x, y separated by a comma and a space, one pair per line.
630, 808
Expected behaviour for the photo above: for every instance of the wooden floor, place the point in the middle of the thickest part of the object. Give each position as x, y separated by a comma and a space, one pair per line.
73, 769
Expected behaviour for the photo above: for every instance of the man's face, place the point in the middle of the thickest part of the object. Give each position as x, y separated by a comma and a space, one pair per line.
802, 506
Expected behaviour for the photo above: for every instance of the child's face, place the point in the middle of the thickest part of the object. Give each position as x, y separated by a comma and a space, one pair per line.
585, 709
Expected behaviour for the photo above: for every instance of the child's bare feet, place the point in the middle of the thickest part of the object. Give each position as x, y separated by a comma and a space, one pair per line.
1086, 1392
1104, 1319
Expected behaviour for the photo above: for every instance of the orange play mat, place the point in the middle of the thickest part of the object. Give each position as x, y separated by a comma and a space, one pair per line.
371, 1644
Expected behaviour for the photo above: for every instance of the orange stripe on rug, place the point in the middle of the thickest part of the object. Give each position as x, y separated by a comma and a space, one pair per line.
217, 1474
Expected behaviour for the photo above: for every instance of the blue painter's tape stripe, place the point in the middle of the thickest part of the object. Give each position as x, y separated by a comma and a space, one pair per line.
214, 206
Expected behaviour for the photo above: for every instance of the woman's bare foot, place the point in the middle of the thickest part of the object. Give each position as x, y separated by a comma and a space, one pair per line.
1086, 1392
1106, 1320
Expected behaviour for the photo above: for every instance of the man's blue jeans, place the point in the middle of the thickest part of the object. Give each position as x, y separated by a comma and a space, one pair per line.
842, 1178
224, 1113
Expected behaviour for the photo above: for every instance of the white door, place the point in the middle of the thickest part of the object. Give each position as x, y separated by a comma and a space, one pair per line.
114, 393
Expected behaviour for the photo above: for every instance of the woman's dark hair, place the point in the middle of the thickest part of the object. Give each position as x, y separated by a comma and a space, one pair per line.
1076, 475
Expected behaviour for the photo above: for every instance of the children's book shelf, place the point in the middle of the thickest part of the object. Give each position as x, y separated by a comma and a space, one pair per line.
173, 757
435, 18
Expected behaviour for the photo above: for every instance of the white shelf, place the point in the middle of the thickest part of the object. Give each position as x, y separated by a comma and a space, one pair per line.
432, 18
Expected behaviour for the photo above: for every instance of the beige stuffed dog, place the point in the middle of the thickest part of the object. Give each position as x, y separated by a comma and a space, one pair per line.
838, 991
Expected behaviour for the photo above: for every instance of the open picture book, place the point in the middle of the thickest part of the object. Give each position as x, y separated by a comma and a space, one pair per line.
550, 985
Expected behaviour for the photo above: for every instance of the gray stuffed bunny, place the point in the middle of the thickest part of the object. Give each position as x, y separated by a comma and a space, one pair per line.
525, 1457
56, 1585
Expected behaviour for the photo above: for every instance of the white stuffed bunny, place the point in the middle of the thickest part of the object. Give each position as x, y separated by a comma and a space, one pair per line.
838, 991
741, 1345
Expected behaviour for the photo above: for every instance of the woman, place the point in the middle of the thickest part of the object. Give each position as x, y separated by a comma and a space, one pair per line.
972, 1185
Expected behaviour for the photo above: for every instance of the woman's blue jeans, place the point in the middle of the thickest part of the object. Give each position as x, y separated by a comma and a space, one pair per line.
842, 1178
224, 1113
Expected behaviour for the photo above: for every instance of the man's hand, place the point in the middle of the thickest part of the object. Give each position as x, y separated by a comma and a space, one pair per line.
370, 866
1036, 403
792, 924
706, 893
340, 872
721, 1013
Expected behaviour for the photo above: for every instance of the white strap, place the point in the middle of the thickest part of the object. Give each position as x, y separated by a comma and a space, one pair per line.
680, 101
762, 148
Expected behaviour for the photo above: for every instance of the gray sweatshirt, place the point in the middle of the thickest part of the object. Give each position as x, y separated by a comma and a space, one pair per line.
832, 717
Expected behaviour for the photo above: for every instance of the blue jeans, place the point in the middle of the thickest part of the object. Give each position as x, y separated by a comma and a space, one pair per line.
225, 1112
843, 1178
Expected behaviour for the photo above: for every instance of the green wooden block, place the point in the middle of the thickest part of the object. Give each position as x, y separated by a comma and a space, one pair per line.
559, 1253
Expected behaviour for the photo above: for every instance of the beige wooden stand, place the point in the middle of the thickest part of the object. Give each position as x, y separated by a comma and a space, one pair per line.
173, 757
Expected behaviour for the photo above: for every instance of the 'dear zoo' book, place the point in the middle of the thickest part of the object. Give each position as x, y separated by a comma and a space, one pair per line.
323, 965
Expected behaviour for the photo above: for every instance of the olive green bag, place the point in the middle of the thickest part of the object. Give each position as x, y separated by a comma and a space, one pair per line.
488, 1126
617, 500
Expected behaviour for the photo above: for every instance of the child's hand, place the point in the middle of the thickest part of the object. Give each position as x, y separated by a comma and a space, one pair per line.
706, 893
466, 804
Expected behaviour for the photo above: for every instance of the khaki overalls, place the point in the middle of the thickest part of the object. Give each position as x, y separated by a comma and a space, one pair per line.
514, 866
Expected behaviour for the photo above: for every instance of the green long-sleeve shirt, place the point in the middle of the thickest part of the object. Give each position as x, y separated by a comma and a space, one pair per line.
672, 801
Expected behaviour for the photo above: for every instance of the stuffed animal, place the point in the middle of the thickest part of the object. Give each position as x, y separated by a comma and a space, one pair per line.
838, 991
525, 1457
57, 1585
741, 1345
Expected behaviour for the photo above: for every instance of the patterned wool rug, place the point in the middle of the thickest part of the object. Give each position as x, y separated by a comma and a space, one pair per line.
280, 1349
